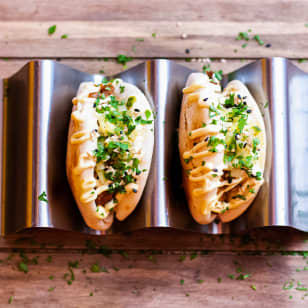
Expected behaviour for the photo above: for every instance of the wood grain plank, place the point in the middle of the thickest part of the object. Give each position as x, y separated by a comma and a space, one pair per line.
266, 240
158, 10
110, 38
94, 66
153, 281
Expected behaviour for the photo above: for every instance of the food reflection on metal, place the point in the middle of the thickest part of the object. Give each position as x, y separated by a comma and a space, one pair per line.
35, 116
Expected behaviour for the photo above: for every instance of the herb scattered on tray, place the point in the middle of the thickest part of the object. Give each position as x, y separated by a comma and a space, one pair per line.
43, 197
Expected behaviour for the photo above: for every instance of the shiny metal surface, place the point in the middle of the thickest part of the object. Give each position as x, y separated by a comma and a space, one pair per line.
35, 115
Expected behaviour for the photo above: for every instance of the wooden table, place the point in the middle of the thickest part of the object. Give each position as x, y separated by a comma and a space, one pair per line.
153, 268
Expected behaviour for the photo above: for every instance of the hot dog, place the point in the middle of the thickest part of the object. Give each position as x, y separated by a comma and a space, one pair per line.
222, 148
109, 150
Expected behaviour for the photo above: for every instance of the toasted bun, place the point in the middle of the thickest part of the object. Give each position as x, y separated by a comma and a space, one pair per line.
81, 160
204, 170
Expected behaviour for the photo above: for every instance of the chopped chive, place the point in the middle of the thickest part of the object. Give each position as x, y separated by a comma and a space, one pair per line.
253, 287
64, 36
218, 75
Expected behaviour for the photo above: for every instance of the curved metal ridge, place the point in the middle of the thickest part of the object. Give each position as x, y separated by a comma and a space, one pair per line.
34, 118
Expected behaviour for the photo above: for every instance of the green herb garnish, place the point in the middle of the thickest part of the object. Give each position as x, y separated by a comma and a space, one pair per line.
243, 36
52, 30
239, 197
147, 114
122, 59
253, 287
288, 285
43, 197
95, 268
259, 41
23, 267
218, 75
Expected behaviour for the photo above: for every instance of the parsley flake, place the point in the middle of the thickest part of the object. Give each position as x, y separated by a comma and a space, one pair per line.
52, 30
10, 299
122, 59
43, 197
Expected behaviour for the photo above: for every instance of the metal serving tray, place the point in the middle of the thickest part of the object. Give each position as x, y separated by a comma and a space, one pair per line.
35, 115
